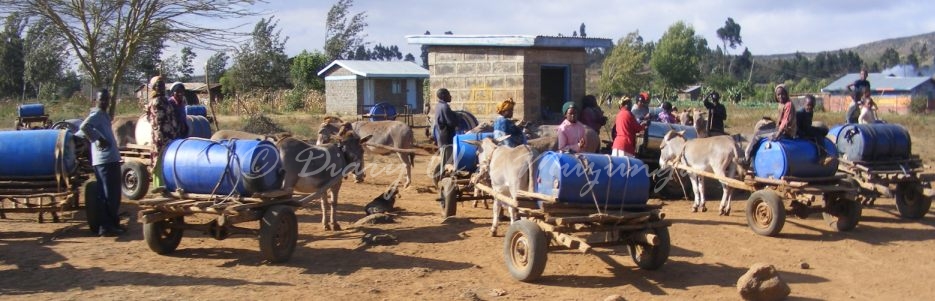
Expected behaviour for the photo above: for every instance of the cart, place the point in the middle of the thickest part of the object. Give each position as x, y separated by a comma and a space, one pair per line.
904, 180
545, 221
772, 199
136, 170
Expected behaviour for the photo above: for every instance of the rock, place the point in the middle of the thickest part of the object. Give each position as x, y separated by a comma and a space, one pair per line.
614, 298
379, 239
470, 296
497, 292
762, 283
804, 265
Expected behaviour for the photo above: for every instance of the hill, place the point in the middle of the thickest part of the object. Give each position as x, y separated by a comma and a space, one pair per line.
872, 51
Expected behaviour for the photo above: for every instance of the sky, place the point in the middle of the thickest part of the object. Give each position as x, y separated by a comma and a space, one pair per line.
767, 27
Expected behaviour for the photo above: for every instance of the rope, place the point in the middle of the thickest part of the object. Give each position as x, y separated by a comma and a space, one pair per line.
583, 160
228, 173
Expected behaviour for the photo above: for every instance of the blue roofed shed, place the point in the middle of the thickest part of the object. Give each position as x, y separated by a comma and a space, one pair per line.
351, 86
891, 93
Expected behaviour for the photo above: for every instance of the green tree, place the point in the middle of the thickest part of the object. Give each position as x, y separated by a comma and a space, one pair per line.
261, 63
342, 36
675, 60
305, 67
186, 66
624, 71
216, 66
11, 56
730, 37
889, 58
46, 55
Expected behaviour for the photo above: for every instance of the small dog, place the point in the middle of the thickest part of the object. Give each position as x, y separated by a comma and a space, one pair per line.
384, 202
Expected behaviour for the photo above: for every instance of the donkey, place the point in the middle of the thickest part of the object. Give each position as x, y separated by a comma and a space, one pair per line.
719, 154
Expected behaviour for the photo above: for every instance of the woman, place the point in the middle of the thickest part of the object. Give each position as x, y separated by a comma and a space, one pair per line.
666, 115
591, 114
165, 123
504, 125
626, 128
571, 132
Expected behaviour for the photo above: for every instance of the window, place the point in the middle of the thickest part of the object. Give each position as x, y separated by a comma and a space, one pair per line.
397, 87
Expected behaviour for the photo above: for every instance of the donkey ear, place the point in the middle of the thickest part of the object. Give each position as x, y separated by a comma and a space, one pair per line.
472, 142
501, 139
364, 140
681, 133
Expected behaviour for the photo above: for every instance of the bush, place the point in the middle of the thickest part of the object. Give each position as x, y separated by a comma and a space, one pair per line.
295, 99
260, 124
918, 103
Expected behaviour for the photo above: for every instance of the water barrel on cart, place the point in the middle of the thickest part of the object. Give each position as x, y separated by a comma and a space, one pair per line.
658, 130
31, 110
465, 153
382, 111
871, 142
198, 127
798, 158
583, 178
32, 155
198, 110
144, 131
466, 122
240, 166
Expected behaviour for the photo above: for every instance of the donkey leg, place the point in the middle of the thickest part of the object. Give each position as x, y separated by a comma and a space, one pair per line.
496, 218
700, 192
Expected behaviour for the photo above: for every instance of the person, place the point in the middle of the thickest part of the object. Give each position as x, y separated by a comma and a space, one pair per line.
804, 117
717, 114
626, 127
105, 157
446, 124
161, 115
857, 88
571, 132
641, 111
666, 115
591, 114
504, 125
787, 124
867, 109
177, 99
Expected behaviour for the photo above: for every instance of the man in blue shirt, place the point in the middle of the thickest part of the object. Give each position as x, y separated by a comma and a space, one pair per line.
105, 157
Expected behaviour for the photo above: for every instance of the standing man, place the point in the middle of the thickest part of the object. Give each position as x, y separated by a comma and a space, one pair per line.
446, 124
161, 115
626, 128
717, 114
105, 157
857, 89
571, 133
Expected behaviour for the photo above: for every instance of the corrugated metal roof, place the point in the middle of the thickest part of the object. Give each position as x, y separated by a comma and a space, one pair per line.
509, 41
373, 69
878, 82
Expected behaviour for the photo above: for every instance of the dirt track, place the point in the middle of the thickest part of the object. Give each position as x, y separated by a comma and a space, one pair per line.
885, 258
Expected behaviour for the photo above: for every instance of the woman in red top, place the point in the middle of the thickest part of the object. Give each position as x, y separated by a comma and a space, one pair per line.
626, 127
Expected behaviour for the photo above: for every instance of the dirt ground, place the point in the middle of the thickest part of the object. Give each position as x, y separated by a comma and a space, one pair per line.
885, 258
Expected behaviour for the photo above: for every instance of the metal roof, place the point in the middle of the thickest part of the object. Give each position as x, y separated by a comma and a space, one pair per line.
509, 41
385, 69
878, 82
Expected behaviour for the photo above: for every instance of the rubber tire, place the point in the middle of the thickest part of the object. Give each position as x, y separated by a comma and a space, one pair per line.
90, 192
655, 256
847, 217
161, 237
279, 231
910, 202
449, 193
528, 234
132, 171
766, 200
62, 125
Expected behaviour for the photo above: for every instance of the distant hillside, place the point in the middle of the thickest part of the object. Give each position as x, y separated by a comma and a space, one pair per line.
872, 51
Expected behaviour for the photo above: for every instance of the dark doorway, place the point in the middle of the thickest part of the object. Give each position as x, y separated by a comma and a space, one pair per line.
554, 92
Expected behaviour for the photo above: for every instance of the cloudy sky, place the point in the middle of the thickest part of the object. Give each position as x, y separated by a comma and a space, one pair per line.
767, 27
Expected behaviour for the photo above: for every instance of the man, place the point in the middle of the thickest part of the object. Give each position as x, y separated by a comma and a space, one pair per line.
571, 133
856, 88
504, 125
641, 111
717, 114
177, 99
446, 124
626, 129
804, 120
105, 157
161, 115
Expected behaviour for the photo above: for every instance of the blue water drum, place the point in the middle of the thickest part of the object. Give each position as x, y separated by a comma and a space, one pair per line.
241, 166
32, 155
466, 122
581, 178
31, 110
872, 142
198, 127
793, 158
198, 110
382, 111
466, 154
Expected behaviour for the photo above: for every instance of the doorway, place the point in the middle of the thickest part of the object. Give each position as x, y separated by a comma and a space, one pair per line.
554, 92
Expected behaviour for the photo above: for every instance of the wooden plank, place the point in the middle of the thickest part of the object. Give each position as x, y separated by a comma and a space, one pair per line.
498, 196
538, 196
733, 183
153, 202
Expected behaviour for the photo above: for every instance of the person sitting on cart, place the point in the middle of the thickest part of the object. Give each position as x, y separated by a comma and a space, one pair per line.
105, 157
666, 115
717, 114
804, 117
504, 125
626, 128
857, 89
177, 99
868, 109
571, 133
786, 127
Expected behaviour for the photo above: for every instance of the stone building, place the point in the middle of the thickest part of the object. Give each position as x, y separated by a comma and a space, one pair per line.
352, 87
540, 73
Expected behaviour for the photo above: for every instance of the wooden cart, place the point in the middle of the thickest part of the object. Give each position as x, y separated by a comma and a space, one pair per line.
545, 221
771, 200
136, 170
49, 196
904, 180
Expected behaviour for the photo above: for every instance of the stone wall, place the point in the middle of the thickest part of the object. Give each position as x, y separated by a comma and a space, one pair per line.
341, 96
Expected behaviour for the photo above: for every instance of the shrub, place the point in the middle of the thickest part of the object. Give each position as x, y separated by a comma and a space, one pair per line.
918, 103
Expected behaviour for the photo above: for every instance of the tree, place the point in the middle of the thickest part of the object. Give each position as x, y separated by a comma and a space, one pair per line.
730, 37
305, 67
186, 68
343, 36
11, 56
46, 56
889, 58
624, 70
410, 58
425, 53
581, 31
675, 60
106, 35
216, 66
261, 63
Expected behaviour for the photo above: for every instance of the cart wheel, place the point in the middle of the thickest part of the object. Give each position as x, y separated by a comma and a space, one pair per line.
842, 214
278, 233
650, 257
436, 173
90, 192
525, 250
135, 180
910, 202
765, 213
163, 236
449, 193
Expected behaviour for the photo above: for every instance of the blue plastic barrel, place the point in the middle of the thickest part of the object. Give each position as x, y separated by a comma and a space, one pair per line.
583, 178
199, 110
241, 166
31, 155
792, 158
31, 110
466, 122
382, 111
198, 127
872, 142
466, 154
833, 133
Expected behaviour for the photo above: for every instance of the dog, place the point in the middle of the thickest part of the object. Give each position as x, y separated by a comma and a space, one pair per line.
383, 203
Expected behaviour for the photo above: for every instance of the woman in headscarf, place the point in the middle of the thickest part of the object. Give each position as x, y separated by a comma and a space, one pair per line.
504, 125
177, 99
591, 114
571, 133
666, 115
161, 115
